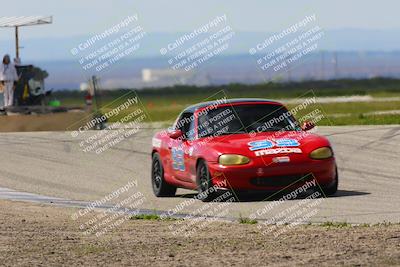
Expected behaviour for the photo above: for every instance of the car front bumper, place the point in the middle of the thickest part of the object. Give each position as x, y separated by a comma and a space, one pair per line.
273, 177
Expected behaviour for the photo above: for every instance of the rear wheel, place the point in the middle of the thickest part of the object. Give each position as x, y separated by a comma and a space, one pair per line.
205, 188
160, 187
333, 187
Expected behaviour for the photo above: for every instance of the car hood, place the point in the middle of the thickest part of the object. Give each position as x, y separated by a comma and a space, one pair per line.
239, 143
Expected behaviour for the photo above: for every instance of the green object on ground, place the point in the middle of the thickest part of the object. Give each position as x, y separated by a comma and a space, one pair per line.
54, 103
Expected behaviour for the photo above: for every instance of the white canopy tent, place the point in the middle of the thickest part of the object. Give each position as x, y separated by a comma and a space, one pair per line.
17, 22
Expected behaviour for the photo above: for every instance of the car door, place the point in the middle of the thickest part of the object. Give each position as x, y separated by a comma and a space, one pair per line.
180, 149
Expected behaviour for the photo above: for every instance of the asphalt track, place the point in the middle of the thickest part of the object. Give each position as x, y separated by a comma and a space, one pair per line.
53, 164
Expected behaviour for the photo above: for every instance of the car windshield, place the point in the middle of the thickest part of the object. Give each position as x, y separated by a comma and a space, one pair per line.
245, 118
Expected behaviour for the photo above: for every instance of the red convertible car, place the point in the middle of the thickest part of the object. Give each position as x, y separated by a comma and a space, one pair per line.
240, 145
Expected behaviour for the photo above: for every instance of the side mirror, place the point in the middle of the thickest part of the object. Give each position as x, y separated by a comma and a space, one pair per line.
307, 125
175, 134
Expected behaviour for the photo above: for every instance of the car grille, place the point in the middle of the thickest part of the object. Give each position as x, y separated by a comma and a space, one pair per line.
284, 180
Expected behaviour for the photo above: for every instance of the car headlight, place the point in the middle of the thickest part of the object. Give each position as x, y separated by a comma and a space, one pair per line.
232, 159
321, 153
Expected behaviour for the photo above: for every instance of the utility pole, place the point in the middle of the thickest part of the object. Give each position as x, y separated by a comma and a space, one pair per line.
98, 113
16, 44
96, 95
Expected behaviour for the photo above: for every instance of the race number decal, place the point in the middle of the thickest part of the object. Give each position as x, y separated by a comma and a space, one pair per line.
178, 161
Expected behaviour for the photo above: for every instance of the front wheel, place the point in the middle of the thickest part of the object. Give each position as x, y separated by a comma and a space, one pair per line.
160, 187
204, 184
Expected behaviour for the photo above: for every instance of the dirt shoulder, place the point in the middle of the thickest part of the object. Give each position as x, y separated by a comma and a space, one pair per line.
32, 235
63, 121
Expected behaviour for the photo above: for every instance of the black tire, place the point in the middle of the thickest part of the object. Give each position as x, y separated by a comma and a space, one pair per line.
160, 187
333, 187
204, 184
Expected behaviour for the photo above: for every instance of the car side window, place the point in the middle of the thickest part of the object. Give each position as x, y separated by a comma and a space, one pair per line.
185, 123
191, 133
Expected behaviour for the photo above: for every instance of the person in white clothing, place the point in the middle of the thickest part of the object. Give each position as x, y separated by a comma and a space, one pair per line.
8, 78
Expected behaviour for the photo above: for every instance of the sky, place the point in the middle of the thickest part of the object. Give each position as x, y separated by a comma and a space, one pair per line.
77, 17
354, 25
